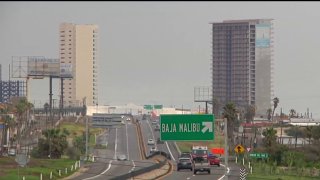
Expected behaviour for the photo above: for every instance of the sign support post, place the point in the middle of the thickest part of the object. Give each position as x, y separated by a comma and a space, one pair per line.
226, 147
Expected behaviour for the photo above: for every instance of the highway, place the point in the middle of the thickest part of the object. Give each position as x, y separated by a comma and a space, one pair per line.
120, 140
123, 139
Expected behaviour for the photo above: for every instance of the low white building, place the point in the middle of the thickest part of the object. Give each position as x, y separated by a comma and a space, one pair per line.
134, 110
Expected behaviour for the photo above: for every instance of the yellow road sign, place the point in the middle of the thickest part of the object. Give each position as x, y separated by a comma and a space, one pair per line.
239, 149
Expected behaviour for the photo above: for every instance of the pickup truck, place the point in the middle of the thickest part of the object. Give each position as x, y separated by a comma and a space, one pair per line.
201, 164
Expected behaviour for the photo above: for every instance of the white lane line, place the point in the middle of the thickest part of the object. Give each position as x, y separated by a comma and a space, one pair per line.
170, 151
127, 141
100, 173
228, 170
134, 165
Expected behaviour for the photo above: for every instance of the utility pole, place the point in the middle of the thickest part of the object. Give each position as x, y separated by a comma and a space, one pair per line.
86, 137
84, 113
226, 147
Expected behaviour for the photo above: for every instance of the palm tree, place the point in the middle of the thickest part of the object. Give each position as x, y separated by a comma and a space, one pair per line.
250, 113
269, 112
55, 143
275, 105
8, 122
269, 138
22, 110
292, 113
230, 112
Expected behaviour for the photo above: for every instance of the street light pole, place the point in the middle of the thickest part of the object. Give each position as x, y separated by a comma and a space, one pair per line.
226, 147
86, 137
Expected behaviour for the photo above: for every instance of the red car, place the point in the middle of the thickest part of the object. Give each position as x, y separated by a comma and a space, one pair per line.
214, 160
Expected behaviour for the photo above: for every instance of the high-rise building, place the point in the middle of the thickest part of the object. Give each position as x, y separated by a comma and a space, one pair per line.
78, 49
242, 63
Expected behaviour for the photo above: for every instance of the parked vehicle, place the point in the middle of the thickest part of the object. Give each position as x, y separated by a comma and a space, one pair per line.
201, 164
184, 163
214, 160
12, 152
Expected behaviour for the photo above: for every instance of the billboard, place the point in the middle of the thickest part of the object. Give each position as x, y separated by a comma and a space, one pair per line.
263, 35
39, 66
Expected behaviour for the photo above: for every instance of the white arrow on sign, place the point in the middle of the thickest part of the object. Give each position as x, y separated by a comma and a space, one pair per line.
207, 126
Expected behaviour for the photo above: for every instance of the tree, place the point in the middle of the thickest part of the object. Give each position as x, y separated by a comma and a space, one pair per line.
275, 105
316, 134
292, 113
308, 133
57, 138
46, 108
9, 123
22, 109
250, 113
269, 139
269, 112
230, 112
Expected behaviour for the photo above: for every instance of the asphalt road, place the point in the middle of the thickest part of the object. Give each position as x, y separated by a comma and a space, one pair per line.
120, 140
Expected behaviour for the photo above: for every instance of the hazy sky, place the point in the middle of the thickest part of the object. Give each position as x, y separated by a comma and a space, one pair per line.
157, 52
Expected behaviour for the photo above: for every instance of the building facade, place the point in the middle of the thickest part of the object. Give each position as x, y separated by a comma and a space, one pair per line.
78, 50
242, 63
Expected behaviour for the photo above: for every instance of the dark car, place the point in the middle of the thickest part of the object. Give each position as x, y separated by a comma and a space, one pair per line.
214, 160
157, 127
184, 163
185, 155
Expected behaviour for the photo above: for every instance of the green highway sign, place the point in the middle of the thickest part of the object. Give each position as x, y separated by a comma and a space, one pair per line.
187, 127
259, 155
148, 107
157, 106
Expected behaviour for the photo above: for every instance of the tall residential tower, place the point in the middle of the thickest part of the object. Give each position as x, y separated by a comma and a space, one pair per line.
242, 63
78, 49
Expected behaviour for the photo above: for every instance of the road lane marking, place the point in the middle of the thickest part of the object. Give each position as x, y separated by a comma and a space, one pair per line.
134, 165
100, 173
170, 151
228, 170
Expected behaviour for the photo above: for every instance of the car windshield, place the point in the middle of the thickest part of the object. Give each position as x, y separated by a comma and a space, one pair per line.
199, 152
184, 160
200, 160
185, 155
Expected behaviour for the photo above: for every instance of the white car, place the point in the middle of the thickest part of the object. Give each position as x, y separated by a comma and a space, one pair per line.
150, 142
12, 152
122, 157
153, 149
